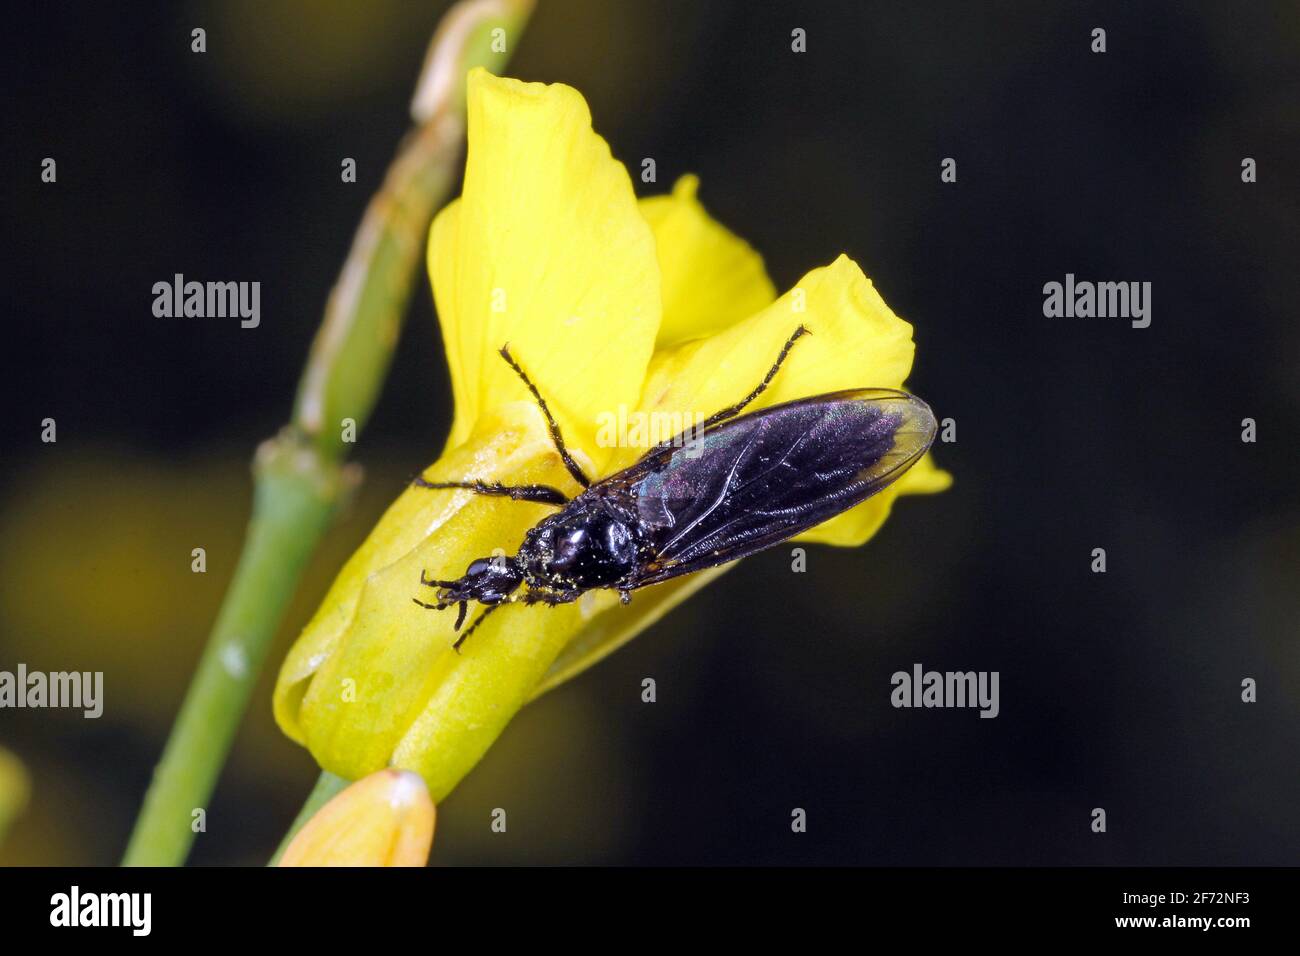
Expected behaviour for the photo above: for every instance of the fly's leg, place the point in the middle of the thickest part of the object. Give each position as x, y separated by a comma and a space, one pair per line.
542, 494
473, 627
461, 608
736, 409
443, 605
529, 597
556, 437
431, 607
434, 582
551, 598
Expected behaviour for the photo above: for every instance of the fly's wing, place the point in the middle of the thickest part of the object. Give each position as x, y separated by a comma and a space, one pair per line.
762, 478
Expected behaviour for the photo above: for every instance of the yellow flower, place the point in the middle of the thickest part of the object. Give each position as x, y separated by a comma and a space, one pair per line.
385, 819
609, 304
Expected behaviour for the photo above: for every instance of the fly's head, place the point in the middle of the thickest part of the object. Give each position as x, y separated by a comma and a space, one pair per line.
486, 580
489, 581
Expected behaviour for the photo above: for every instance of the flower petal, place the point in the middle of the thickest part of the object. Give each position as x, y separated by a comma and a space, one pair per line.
711, 277
856, 342
617, 624
367, 665
385, 819
545, 251
482, 691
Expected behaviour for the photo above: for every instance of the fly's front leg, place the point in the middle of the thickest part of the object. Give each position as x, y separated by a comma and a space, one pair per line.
552, 424
473, 627
740, 406
542, 494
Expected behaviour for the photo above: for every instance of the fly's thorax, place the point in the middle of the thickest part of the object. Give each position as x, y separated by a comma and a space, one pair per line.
584, 546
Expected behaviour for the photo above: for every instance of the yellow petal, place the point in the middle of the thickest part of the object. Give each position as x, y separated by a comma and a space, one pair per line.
367, 665
711, 277
856, 342
385, 819
617, 624
478, 695
545, 251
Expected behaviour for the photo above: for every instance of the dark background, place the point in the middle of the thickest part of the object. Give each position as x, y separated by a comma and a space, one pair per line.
1119, 690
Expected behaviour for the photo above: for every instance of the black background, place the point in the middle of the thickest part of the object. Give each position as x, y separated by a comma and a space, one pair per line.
1119, 690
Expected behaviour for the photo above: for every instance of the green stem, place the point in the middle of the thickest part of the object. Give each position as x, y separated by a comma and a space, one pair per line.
300, 479
295, 497
327, 786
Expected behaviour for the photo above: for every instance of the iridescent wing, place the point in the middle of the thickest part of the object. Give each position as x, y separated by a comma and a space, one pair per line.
762, 478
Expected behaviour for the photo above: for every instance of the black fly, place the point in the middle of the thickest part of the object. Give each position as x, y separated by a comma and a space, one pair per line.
739, 485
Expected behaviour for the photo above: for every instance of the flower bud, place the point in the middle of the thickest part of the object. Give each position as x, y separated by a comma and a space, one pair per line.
385, 819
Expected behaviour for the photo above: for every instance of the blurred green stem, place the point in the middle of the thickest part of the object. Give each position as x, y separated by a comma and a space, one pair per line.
295, 494
327, 786
300, 480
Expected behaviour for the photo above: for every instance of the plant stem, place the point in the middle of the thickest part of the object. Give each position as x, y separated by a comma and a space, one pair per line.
295, 497
327, 786
299, 478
